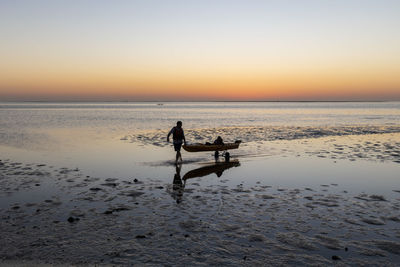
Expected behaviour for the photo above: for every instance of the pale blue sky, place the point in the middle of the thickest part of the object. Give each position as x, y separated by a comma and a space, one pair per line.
203, 34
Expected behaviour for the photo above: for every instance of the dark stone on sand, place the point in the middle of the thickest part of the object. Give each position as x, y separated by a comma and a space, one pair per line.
160, 187
56, 221
377, 198
15, 207
245, 257
186, 235
95, 189
140, 236
110, 184
135, 180
336, 258
346, 249
72, 219
267, 197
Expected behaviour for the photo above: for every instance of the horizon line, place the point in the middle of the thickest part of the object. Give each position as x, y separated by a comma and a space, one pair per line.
187, 101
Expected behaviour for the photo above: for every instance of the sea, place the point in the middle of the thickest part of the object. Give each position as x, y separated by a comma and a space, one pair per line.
323, 173
126, 138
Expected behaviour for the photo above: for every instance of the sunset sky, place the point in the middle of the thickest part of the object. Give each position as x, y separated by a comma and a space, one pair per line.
199, 50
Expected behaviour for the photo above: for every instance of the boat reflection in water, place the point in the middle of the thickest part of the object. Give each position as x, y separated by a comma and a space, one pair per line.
218, 168
178, 184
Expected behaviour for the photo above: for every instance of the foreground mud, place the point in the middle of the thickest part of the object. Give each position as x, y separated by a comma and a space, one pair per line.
61, 216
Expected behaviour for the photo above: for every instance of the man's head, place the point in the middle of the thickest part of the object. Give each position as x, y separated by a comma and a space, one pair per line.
179, 123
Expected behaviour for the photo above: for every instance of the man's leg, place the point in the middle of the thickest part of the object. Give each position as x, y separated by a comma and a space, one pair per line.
178, 151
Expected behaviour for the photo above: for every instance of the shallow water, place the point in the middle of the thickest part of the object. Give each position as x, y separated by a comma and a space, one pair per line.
310, 181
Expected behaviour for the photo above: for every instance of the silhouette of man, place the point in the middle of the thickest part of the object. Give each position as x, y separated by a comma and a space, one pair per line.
178, 137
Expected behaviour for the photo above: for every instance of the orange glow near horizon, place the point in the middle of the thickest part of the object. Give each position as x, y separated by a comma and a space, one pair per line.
190, 84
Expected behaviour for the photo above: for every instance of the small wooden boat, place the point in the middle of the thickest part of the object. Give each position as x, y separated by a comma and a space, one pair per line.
205, 147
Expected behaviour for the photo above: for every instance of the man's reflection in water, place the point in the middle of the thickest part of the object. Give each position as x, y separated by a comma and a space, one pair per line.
219, 173
177, 185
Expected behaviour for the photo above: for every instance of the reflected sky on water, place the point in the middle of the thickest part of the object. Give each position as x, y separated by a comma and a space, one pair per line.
88, 136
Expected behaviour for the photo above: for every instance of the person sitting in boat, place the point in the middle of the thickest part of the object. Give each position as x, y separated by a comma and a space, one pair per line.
218, 141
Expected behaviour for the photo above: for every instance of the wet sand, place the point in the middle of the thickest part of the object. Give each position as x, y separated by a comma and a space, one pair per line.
59, 215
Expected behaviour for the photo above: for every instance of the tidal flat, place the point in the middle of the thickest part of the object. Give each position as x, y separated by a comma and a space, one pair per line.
270, 209
97, 185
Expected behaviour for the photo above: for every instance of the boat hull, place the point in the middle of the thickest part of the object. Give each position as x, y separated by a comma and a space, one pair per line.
203, 147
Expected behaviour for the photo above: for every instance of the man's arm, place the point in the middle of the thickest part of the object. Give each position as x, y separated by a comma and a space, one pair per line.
170, 132
184, 139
